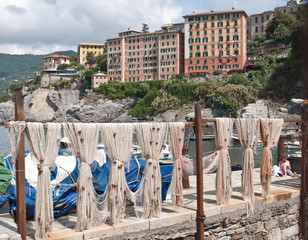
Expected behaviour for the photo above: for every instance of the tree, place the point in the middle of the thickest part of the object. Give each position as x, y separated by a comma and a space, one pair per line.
62, 66
282, 33
145, 28
101, 61
284, 19
74, 58
90, 58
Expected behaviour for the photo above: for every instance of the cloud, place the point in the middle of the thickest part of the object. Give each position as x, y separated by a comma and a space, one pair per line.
35, 26
15, 9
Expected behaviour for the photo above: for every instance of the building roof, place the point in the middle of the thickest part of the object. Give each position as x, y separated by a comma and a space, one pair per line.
215, 13
99, 74
270, 11
56, 56
94, 44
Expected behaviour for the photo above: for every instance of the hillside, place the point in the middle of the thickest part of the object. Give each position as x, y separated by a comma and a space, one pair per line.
21, 67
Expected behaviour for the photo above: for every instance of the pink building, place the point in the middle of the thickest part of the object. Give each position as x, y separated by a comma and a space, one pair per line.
98, 79
136, 56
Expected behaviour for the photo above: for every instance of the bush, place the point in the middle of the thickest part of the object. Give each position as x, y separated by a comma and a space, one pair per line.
217, 72
238, 79
4, 98
16, 86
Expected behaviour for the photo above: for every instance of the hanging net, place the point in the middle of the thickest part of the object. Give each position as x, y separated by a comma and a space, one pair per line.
223, 134
151, 137
44, 141
248, 131
270, 133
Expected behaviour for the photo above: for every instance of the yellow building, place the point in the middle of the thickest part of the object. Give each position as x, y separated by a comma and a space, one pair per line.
84, 48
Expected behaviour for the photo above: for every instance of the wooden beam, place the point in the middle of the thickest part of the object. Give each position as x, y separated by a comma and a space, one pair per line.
20, 170
304, 176
199, 171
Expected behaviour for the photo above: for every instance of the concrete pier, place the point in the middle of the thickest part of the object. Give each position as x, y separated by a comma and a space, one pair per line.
277, 216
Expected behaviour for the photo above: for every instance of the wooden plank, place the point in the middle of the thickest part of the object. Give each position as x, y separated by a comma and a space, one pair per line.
20, 170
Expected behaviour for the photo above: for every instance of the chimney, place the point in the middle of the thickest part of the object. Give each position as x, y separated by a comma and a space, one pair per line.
194, 12
232, 8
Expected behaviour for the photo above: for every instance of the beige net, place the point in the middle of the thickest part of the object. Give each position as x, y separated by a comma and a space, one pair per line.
270, 133
223, 134
44, 141
248, 131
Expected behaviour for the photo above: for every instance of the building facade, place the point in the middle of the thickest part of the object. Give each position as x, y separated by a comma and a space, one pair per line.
215, 41
52, 62
136, 56
291, 7
85, 48
98, 79
256, 23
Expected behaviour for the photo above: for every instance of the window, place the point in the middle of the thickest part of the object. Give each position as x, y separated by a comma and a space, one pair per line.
197, 54
235, 45
220, 16
235, 23
220, 46
235, 30
228, 30
213, 39
220, 31
197, 25
221, 39
228, 45
213, 46
262, 19
228, 38
205, 40
197, 40
212, 24
191, 40
204, 25
198, 33
220, 24
235, 59
235, 37
198, 61
227, 16
205, 17
205, 54
213, 54
205, 61
190, 62
205, 32
213, 31
267, 17
235, 66
228, 24
221, 53
236, 15
256, 20
213, 17
256, 29
236, 52
190, 33
190, 47
198, 47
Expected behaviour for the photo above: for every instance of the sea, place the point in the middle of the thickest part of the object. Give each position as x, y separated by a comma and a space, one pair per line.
208, 147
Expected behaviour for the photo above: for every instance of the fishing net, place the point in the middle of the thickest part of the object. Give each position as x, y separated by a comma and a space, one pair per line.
151, 137
270, 133
223, 133
117, 139
44, 141
176, 140
248, 131
83, 138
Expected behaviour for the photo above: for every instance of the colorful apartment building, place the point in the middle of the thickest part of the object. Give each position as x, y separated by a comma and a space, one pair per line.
52, 62
136, 56
215, 40
85, 48
256, 23
98, 79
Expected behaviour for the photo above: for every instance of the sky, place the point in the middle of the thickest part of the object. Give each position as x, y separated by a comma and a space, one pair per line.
45, 26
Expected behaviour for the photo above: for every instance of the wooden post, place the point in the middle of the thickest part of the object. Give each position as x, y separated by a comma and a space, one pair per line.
304, 176
20, 170
280, 148
199, 171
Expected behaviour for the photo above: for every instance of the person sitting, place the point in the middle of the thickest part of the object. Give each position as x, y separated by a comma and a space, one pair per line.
285, 166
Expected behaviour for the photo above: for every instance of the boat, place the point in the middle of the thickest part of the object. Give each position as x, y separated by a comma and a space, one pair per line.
204, 137
296, 145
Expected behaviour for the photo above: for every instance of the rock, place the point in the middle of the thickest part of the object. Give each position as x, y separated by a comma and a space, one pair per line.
257, 110
295, 106
290, 232
168, 116
205, 113
7, 111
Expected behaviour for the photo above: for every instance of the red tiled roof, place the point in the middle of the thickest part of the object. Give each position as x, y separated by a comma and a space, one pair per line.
56, 56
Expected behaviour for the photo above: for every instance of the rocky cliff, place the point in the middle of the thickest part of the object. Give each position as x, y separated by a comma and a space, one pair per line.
67, 105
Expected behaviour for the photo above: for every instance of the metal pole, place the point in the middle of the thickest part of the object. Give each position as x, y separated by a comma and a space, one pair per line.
20, 170
304, 176
199, 171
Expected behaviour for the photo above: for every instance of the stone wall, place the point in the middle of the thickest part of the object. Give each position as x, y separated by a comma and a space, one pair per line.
276, 221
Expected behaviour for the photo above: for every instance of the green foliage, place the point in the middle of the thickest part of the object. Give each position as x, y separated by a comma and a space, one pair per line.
282, 33
62, 66
4, 98
217, 72
90, 58
16, 86
260, 39
145, 28
239, 79
62, 83
101, 61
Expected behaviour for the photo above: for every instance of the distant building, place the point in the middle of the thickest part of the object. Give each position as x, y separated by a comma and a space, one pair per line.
215, 41
136, 56
53, 61
256, 23
84, 48
172, 27
98, 79
291, 7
